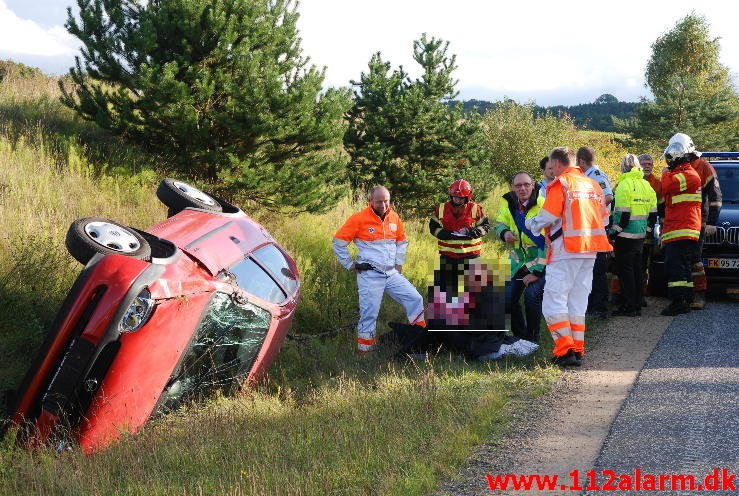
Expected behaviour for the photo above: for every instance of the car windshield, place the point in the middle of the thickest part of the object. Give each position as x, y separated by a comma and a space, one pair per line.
728, 179
222, 352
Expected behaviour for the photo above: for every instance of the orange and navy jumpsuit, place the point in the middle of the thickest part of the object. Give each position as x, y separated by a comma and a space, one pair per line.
681, 228
574, 217
381, 243
710, 210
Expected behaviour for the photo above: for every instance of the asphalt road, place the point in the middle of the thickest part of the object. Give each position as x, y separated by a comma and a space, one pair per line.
682, 415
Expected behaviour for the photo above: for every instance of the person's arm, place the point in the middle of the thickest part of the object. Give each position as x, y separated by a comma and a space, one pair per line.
481, 226
437, 230
401, 246
550, 212
340, 243
713, 197
622, 209
652, 218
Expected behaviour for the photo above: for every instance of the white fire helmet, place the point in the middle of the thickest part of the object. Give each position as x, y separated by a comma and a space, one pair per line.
687, 143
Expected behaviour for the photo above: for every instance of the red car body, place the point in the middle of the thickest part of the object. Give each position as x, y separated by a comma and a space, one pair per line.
94, 382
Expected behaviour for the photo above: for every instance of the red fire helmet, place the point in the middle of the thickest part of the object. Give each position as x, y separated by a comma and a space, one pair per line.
460, 187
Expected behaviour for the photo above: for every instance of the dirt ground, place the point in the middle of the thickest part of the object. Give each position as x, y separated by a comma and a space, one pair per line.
565, 429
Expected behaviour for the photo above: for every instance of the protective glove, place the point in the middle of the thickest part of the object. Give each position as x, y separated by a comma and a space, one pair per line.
710, 230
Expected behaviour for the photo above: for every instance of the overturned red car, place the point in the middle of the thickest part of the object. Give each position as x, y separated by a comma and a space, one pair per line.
199, 302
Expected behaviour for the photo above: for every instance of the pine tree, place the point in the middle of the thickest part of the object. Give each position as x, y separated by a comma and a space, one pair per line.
218, 87
405, 135
692, 90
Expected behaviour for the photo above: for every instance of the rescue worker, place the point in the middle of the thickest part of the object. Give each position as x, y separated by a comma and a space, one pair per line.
574, 217
710, 209
681, 226
378, 233
635, 211
546, 169
598, 300
459, 225
647, 164
527, 254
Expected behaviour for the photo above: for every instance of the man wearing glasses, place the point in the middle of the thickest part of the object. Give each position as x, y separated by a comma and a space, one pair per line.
527, 252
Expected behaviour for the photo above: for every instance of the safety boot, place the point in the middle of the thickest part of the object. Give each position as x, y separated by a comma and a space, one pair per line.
699, 300
676, 307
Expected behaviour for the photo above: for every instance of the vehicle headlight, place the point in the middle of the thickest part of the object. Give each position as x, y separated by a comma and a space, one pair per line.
137, 313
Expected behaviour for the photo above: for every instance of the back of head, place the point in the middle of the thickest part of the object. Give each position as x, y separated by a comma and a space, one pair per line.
629, 162
676, 154
563, 155
543, 163
586, 154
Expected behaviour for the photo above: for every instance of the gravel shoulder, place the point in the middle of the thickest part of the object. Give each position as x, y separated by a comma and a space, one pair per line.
564, 429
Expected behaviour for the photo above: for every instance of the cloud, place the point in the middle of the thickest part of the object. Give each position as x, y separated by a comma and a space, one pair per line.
23, 37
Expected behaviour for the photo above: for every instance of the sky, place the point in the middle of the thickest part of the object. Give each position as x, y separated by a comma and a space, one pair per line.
553, 53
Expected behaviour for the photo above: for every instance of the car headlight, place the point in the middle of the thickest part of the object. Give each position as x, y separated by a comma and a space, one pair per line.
137, 313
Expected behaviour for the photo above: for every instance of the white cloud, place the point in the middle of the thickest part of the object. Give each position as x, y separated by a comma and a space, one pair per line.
26, 37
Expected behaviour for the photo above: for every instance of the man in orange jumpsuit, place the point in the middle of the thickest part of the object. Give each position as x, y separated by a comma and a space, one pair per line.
574, 217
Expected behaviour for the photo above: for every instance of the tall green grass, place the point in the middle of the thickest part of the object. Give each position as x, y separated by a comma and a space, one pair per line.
324, 421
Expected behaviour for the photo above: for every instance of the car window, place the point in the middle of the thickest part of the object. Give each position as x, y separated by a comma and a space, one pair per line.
253, 279
728, 180
224, 347
272, 258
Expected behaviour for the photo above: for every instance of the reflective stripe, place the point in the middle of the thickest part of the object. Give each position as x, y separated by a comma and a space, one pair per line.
475, 209
638, 217
558, 317
449, 249
441, 211
578, 335
583, 232
377, 242
577, 319
445, 242
685, 197
632, 235
577, 327
558, 325
547, 216
368, 342
653, 210
681, 232
623, 209
681, 179
618, 228
679, 284
435, 219
715, 204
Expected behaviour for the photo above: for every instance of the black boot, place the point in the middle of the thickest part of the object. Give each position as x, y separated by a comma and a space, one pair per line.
677, 307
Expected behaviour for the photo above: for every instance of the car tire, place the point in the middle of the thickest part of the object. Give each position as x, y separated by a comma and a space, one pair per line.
177, 196
92, 235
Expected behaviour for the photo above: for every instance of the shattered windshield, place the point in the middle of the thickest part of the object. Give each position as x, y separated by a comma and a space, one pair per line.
222, 352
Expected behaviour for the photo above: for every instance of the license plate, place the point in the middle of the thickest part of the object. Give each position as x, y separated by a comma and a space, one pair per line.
723, 263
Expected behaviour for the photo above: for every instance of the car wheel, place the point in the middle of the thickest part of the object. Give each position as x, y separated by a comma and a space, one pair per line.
92, 235
178, 196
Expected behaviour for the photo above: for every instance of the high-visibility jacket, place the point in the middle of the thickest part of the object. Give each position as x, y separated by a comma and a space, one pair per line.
681, 189
446, 221
635, 207
527, 253
380, 242
710, 191
575, 210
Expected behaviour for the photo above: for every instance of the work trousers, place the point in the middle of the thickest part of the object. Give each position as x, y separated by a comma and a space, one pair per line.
678, 260
526, 328
372, 285
698, 272
628, 254
598, 299
568, 284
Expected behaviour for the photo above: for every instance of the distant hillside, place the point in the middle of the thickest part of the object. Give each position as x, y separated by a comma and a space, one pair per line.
596, 115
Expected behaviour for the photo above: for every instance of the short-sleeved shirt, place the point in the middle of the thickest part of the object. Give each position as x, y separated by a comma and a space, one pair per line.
601, 178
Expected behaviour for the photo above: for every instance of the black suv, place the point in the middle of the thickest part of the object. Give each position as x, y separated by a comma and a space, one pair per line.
720, 251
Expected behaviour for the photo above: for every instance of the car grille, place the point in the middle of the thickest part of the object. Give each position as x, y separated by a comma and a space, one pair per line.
732, 235
717, 238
